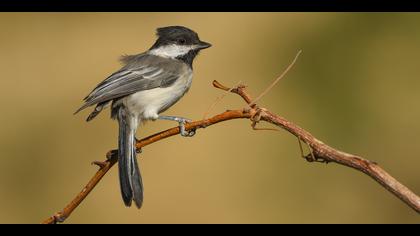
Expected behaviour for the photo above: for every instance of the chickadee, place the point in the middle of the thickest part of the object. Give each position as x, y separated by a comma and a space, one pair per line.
147, 85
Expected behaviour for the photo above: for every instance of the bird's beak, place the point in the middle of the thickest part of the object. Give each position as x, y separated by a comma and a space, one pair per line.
203, 45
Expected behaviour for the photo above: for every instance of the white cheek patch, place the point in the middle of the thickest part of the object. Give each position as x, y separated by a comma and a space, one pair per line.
172, 51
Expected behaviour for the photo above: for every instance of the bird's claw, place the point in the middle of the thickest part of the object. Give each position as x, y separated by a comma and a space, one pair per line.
183, 132
189, 133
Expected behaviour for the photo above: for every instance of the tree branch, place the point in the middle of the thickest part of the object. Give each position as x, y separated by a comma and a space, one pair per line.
319, 152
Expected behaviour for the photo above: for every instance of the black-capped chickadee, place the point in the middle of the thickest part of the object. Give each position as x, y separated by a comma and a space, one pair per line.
148, 84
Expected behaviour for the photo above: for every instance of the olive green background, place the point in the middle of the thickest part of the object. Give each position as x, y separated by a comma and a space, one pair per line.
356, 87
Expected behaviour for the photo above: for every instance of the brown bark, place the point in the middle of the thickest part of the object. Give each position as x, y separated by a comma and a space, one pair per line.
319, 152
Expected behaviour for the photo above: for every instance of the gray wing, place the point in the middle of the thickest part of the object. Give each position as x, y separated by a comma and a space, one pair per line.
143, 73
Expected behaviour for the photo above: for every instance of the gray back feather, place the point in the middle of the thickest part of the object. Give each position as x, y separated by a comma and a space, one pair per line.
140, 72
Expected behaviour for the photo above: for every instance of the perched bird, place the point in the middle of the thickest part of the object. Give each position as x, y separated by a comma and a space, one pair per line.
147, 85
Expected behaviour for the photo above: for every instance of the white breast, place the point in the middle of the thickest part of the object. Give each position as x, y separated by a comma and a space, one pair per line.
147, 104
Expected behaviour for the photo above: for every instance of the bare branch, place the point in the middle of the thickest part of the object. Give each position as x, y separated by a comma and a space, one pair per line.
112, 158
319, 152
326, 153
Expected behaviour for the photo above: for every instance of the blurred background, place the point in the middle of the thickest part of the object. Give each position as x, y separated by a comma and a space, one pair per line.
356, 87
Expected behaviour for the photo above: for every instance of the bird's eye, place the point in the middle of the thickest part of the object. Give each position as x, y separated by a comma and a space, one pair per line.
181, 41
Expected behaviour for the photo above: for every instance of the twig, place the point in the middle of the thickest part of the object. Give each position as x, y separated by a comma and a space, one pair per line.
218, 99
276, 80
319, 150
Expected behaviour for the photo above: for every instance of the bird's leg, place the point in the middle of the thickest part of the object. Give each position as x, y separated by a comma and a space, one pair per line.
181, 121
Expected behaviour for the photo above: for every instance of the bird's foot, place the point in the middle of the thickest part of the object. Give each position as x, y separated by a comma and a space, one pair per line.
182, 130
182, 122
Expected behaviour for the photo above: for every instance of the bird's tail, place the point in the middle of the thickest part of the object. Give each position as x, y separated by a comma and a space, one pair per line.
130, 178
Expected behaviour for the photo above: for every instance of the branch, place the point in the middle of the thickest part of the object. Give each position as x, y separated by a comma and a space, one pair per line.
112, 158
324, 153
320, 152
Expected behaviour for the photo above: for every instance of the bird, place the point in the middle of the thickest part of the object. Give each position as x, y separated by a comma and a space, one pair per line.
148, 84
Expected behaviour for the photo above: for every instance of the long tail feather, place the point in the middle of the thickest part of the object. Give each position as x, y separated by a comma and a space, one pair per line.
129, 173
